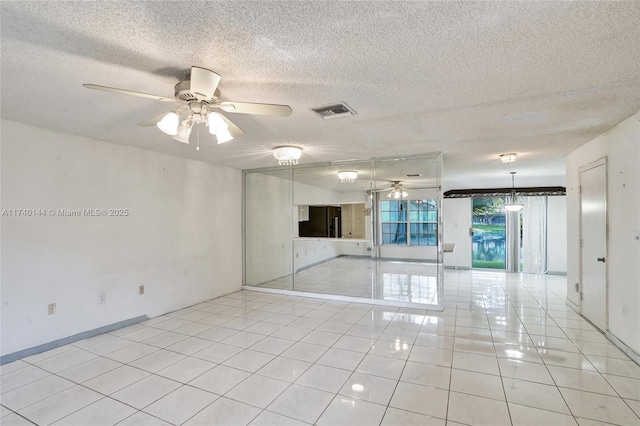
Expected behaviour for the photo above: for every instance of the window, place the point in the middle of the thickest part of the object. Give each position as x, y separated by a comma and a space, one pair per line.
413, 222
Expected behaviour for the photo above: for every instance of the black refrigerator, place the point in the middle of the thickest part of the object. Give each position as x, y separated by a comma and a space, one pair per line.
324, 221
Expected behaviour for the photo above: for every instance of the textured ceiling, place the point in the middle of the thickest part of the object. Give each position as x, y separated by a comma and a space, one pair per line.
470, 79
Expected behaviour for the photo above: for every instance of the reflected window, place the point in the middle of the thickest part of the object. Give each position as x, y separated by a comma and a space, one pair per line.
409, 222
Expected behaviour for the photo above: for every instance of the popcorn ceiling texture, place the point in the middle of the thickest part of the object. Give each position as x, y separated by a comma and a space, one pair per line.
472, 80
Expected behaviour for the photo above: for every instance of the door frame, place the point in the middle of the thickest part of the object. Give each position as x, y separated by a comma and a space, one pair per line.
597, 163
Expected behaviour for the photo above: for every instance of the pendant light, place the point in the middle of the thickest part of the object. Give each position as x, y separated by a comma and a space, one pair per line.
513, 205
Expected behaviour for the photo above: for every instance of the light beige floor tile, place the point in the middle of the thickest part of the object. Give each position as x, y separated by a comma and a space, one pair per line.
181, 404
471, 409
351, 412
396, 417
475, 362
115, 380
258, 391
527, 416
535, 395
341, 358
186, 370
21, 377
381, 366
411, 397
89, 369
426, 375
104, 412
522, 370
369, 388
60, 405
146, 391
301, 403
35, 391
583, 380
220, 379
158, 360
225, 411
267, 418
599, 407
284, 369
480, 384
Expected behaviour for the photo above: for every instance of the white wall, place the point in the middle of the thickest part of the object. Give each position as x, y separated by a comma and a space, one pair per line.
181, 238
456, 220
310, 251
621, 146
268, 230
557, 234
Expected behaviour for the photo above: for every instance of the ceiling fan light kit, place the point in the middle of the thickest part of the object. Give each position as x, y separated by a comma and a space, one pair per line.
199, 96
397, 191
287, 155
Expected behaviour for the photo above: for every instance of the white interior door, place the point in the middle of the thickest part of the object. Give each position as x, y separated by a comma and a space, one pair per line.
593, 228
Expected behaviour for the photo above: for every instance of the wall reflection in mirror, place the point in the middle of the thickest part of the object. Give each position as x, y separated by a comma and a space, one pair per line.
372, 233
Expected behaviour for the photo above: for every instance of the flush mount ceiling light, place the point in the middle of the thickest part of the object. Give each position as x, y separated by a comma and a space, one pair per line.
513, 205
347, 176
397, 191
509, 157
287, 155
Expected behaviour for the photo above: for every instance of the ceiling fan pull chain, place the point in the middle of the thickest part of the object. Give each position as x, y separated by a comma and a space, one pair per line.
198, 138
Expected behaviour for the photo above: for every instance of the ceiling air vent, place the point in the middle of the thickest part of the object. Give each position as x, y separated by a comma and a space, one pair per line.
334, 111
413, 175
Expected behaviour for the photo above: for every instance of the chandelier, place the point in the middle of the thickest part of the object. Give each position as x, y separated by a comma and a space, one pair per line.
347, 176
287, 155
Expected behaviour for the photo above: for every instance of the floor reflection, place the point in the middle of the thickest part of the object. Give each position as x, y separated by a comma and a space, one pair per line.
397, 281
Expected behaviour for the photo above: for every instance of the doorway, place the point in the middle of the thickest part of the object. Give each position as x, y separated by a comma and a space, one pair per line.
593, 234
489, 233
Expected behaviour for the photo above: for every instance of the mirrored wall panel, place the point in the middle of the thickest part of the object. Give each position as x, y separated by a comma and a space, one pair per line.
367, 229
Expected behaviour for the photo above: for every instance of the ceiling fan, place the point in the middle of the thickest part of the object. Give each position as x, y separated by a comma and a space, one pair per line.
199, 97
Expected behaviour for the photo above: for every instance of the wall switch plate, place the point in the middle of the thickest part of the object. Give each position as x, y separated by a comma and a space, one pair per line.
51, 308
624, 309
102, 298
141, 289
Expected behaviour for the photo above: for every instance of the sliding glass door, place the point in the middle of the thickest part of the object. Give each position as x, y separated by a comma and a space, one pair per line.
489, 233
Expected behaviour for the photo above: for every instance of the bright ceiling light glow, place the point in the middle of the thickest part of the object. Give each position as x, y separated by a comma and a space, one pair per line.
223, 136
509, 157
169, 123
287, 155
347, 176
183, 134
216, 124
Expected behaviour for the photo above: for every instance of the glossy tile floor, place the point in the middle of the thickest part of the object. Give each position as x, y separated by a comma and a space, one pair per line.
506, 350
354, 276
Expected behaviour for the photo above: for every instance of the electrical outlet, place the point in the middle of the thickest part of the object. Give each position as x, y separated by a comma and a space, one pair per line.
102, 298
52, 308
141, 289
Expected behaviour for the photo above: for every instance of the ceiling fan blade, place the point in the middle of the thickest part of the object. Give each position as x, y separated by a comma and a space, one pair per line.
129, 92
152, 121
233, 129
252, 108
203, 83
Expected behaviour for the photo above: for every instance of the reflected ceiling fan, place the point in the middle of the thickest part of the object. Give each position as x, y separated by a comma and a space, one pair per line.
199, 98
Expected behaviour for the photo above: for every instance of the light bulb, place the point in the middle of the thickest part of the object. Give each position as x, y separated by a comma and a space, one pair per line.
183, 134
216, 123
223, 136
169, 123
